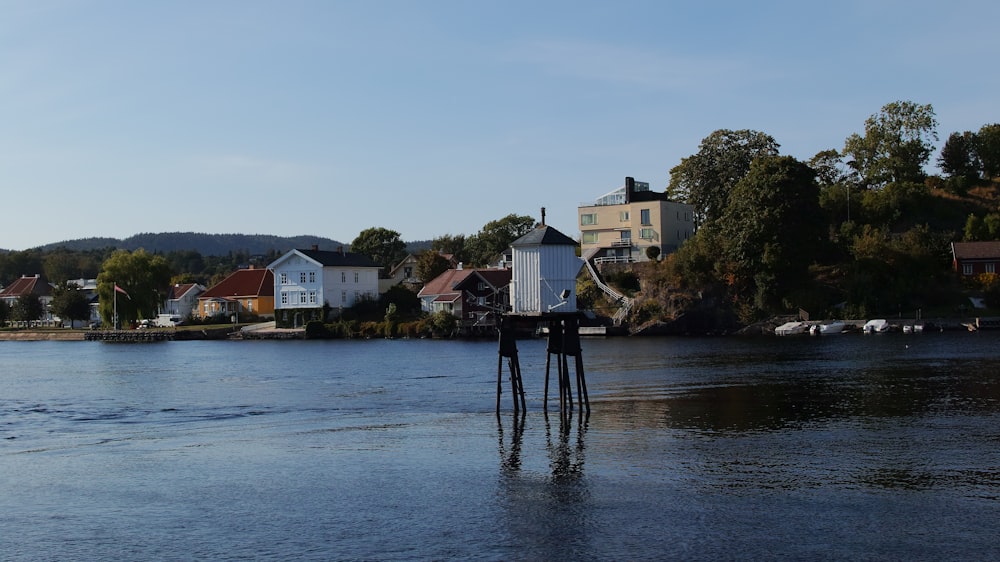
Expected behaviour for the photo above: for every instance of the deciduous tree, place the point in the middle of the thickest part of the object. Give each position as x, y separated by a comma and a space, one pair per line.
69, 303
897, 143
496, 236
383, 246
27, 308
142, 276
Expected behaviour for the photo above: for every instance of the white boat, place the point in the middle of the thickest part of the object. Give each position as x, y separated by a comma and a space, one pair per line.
791, 328
876, 326
835, 327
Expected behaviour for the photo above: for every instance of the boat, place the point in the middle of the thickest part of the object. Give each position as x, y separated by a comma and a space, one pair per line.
876, 326
834, 327
791, 328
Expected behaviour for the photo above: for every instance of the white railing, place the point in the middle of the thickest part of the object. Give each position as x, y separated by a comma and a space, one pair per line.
625, 303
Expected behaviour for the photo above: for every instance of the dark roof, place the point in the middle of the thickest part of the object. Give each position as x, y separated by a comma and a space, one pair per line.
177, 291
341, 259
544, 236
444, 284
498, 278
34, 285
243, 283
975, 250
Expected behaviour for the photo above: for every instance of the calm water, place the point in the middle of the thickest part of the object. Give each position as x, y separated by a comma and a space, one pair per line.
859, 447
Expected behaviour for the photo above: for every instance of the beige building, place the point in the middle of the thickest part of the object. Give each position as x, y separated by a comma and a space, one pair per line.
621, 225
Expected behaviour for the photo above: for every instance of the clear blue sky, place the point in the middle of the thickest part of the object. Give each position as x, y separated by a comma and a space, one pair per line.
435, 117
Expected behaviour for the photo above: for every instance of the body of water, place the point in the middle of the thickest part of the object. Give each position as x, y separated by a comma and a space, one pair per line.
841, 447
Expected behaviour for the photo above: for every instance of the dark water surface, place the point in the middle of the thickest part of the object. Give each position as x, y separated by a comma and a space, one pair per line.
843, 447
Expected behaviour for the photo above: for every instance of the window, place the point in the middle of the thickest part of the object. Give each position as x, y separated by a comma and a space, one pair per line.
644, 216
626, 235
284, 278
312, 297
302, 277
589, 238
355, 276
302, 297
966, 269
312, 276
646, 233
481, 301
991, 268
407, 272
343, 297
623, 216
284, 297
343, 277
589, 218
481, 286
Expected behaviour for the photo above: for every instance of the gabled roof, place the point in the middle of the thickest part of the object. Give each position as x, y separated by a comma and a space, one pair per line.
178, 291
496, 278
544, 236
243, 283
34, 285
445, 283
329, 259
975, 250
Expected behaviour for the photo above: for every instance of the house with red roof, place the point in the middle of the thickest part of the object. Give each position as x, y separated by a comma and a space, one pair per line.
29, 285
973, 258
243, 291
475, 296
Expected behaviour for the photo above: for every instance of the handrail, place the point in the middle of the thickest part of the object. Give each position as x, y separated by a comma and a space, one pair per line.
624, 302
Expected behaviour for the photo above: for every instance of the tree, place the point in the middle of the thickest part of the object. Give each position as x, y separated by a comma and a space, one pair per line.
142, 276
988, 150
4, 312
897, 143
450, 244
496, 236
27, 308
430, 264
705, 179
69, 303
771, 230
958, 156
383, 246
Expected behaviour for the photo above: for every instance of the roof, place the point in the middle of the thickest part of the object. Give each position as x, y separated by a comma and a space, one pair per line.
34, 285
177, 291
445, 283
338, 259
544, 236
243, 283
975, 250
497, 278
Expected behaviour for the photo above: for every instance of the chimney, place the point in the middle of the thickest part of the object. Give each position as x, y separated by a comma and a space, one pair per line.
543, 216
629, 189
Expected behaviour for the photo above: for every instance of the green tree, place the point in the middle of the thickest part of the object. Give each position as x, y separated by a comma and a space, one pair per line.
495, 237
430, 264
27, 308
383, 246
959, 158
988, 150
142, 276
69, 303
451, 244
771, 230
705, 179
4, 312
897, 143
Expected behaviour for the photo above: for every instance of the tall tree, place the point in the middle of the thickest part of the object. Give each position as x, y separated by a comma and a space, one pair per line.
495, 237
142, 276
27, 308
771, 230
958, 156
988, 150
705, 178
897, 143
383, 246
430, 264
450, 244
69, 303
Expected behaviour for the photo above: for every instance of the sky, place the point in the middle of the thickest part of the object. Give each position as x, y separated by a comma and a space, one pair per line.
434, 117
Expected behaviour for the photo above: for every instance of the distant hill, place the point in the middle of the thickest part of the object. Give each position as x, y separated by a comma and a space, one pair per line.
205, 244
211, 244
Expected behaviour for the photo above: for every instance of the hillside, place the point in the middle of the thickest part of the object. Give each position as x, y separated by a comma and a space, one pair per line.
205, 244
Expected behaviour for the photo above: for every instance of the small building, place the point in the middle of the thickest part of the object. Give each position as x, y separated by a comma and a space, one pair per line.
973, 258
306, 281
485, 296
181, 299
544, 267
621, 226
441, 293
243, 291
30, 285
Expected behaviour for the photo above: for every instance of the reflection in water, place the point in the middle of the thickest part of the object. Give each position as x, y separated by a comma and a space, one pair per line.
549, 513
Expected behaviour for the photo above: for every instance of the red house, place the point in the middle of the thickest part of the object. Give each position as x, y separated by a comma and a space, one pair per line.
973, 258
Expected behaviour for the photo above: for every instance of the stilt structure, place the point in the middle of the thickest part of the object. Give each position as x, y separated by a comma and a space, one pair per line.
564, 342
508, 350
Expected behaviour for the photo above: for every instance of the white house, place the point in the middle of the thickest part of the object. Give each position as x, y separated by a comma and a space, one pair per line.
544, 267
181, 299
306, 280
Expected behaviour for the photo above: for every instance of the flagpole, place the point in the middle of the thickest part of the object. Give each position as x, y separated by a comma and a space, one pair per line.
114, 289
